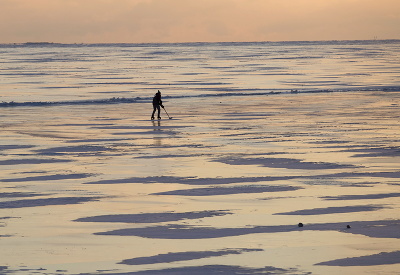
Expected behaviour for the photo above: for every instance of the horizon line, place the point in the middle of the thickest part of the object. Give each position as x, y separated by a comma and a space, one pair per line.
193, 42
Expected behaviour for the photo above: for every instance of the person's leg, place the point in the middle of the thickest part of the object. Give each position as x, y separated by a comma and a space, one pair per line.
154, 110
158, 108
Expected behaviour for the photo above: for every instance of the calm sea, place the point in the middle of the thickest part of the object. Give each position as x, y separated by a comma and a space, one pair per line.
48, 73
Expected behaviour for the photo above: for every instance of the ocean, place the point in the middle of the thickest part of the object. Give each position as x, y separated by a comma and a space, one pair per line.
276, 158
41, 73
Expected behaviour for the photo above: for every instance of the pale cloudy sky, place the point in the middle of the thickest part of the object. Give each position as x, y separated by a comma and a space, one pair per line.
138, 21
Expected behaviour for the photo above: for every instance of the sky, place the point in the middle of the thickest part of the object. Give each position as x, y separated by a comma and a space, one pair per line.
174, 21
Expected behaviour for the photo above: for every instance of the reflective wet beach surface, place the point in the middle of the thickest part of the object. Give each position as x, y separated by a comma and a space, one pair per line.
220, 188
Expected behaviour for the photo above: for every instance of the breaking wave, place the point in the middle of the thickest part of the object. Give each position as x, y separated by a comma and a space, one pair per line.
114, 100
120, 100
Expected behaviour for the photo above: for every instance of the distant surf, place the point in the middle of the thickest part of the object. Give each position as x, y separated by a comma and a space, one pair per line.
120, 100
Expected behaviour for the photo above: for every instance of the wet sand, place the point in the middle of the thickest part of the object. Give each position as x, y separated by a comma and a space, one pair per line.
219, 189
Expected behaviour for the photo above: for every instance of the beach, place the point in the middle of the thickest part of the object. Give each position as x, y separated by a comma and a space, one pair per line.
256, 182
232, 186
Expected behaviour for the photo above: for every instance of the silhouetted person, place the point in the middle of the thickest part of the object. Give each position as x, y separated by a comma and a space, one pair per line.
157, 102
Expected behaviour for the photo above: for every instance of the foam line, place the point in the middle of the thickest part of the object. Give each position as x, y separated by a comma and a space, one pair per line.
118, 100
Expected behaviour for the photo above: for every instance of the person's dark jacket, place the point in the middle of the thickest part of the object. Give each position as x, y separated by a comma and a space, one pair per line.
157, 100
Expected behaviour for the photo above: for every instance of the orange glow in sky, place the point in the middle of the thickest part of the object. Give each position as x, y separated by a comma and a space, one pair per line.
138, 21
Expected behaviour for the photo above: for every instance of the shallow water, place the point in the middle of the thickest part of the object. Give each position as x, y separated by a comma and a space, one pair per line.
220, 188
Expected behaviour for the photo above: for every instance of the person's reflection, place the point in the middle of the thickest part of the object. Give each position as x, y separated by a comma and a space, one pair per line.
157, 139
